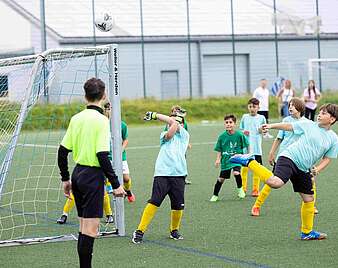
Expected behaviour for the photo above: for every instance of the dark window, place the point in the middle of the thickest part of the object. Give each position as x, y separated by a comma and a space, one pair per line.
3, 85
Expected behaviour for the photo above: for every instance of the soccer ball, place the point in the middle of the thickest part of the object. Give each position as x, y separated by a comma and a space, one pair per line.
104, 23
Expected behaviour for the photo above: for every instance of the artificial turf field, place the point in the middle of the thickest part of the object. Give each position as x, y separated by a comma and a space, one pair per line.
221, 234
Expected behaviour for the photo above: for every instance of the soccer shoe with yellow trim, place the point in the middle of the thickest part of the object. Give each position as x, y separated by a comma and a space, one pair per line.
241, 193
62, 219
109, 219
255, 211
242, 159
214, 198
313, 235
254, 193
174, 234
137, 237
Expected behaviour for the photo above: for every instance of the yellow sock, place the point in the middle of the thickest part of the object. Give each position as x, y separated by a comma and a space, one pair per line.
106, 204
176, 216
307, 215
262, 196
256, 181
244, 175
262, 172
69, 204
147, 216
127, 185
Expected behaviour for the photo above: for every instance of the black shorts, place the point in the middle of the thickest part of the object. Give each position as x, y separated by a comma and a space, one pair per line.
225, 174
168, 185
265, 114
286, 169
88, 190
258, 158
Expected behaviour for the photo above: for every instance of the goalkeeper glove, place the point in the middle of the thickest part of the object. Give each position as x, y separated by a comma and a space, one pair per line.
150, 116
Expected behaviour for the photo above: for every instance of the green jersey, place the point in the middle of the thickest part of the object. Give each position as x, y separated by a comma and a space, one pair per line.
87, 134
124, 134
230, 144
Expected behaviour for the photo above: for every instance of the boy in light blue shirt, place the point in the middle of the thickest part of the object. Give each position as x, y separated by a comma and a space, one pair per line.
250, 124
298, 162
169, 176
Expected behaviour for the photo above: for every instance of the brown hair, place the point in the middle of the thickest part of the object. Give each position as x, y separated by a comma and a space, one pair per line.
94, 89
313, 89
253, 101
299, 105
330, 108
230, 116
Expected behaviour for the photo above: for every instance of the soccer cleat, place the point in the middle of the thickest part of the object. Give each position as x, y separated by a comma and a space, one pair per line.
62, 219
254, 193
131, 197
255, 211
109, 219
316, 210
109, 189
214, 198
241, 193
313, 235
243, 159
137, 237
174, 234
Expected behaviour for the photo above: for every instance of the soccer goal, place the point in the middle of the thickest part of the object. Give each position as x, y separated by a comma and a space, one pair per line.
38, 96
327, 69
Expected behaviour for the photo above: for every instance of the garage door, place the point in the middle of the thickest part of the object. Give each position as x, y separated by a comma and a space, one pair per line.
218, 77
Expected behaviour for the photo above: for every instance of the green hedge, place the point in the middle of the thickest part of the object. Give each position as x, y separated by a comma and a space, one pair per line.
57, 116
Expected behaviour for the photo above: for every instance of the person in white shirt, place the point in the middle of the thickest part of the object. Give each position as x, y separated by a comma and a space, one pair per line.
311, 97
284, 96
262, 94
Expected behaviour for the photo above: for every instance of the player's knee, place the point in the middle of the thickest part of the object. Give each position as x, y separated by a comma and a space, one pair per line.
155, 202
126, 178
275, 182
221, 180
237, 173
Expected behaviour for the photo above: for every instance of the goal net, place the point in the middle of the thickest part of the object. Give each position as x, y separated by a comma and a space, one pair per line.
38, 96
326, 70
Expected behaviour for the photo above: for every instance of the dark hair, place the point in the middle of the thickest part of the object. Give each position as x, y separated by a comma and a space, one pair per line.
94, 89
253, 101
309, 89
230, 116
330, 108
299, 105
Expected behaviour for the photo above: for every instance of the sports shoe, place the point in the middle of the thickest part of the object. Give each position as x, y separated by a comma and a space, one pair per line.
174, 234
187, 181
241, 193
109, 219
131, 197
214, 198
109, 189
316, 210
137, 237
313, 235
243, 159
62, 219
255, 211
254, 193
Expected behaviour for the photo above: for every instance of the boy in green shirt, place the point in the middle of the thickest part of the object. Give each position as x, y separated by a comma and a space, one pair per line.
229, 143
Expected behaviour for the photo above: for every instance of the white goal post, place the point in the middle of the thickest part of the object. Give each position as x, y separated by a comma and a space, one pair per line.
38, 95
322, 64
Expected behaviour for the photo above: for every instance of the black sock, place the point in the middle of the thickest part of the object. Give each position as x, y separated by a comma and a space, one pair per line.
238, 180
217, 187
85, 250
79, 238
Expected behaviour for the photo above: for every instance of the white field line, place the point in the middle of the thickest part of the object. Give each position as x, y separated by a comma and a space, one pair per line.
128, 148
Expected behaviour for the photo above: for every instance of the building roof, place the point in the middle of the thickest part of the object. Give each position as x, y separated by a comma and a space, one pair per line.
73, 18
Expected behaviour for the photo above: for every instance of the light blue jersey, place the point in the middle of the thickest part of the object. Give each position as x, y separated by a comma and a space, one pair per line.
313, 144
252, 124
171, 159
287, 137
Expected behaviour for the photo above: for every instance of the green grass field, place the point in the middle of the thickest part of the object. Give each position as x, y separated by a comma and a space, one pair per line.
221, 234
